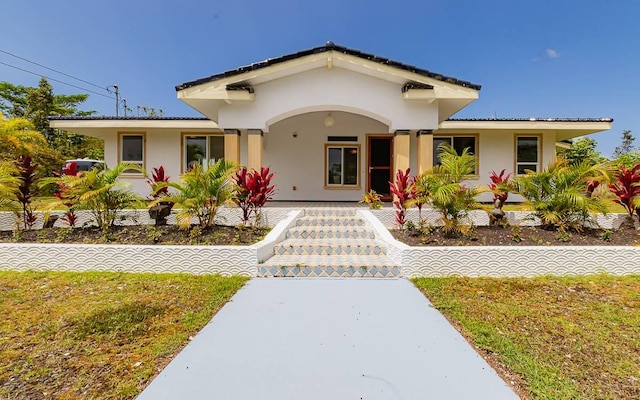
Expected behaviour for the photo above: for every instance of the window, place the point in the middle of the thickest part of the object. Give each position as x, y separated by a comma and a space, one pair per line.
459, 143
527, 154
342, 166
202, 149
132, 149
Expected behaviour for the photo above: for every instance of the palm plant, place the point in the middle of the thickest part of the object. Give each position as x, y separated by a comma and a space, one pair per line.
9, 184
100, 191
442, 188
200, 192
560, 195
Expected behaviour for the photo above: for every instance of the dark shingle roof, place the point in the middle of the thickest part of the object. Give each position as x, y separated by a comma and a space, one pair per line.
534, 119
105, 117
328, 47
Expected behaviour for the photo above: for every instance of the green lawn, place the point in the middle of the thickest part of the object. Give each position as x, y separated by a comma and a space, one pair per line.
567, 338
98, 335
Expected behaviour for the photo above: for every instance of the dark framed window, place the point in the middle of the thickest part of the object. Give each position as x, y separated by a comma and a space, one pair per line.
201, 149
459, 143
527, 154
132, 149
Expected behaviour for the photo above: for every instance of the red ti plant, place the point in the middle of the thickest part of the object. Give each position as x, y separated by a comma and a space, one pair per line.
26, 190
403, 192
499, 187
626, 188
70, 217
253, 190
157, 177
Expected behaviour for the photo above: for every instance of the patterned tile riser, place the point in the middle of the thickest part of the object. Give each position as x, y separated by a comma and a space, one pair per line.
306, 221
329, 234
301, 271
330, 212
330, 249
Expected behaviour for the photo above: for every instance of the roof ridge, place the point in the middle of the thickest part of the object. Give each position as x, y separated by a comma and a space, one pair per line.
330, 46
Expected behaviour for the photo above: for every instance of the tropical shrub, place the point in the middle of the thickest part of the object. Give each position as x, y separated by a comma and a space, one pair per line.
442, 188
157, 177
253, 190
372, 199
626, 188
70, 216
99, 191
500, 186
26, 191
559, 194
402, 189
8, 184
200, 192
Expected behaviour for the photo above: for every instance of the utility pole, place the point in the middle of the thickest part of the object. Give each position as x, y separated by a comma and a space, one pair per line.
124, 104
115, 87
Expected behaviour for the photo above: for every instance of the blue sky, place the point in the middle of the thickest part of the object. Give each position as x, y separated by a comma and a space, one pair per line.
533, 58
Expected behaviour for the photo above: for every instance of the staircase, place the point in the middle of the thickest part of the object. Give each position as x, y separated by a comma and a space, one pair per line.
329, 242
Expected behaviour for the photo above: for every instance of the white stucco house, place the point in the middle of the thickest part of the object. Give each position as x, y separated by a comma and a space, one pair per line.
331, 122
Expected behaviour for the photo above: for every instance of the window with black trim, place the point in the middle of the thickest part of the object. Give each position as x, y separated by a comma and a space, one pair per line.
527, 154
459, 143
132, 149
202, 149
341, 165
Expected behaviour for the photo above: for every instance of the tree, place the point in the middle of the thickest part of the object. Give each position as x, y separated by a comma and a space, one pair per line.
18, 137
582, 150
38, 104
627, 144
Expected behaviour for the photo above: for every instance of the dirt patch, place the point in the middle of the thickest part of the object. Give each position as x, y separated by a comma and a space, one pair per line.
140, 235
626, 235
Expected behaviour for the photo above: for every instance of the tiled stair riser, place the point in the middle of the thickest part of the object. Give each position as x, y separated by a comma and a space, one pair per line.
329, 243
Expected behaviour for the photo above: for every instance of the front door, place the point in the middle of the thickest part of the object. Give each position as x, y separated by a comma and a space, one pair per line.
379, 163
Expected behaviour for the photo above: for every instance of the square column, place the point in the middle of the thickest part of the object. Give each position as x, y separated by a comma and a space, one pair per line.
401, 146
425, 150
255, 149
232, 145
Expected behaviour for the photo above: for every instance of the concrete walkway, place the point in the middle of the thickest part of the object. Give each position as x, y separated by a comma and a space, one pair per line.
328, 339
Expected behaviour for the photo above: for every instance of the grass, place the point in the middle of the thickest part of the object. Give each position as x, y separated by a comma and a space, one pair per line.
567, 338
98, 335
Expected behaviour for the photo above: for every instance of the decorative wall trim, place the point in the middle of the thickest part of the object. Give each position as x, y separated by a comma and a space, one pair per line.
223, 260
525, 261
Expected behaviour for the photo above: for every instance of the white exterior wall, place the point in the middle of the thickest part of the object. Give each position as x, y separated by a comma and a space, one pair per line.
162, 147
329, 90
497, 151
300, 161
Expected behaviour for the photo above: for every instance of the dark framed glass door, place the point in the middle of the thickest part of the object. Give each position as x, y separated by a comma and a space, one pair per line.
380, 164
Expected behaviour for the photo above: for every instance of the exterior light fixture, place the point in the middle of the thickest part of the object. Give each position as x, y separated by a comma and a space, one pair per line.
329, 121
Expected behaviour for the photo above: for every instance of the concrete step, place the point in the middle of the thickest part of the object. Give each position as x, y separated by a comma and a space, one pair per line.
325, 232
330, 212
329, 221
329, 247
329, 266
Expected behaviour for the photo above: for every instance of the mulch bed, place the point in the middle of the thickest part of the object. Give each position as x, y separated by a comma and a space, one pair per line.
140, 235
626, 235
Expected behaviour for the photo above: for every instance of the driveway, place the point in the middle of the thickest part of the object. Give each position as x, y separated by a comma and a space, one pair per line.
328, 339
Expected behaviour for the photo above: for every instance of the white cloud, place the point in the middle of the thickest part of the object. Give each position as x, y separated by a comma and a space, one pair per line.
551, 53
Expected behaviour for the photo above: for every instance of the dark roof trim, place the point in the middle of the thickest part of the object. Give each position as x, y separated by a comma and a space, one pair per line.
329, 46
415, 85
533, 119
104, 117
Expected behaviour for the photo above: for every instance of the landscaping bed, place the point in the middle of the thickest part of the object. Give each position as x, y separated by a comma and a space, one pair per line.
140, 235
626, 235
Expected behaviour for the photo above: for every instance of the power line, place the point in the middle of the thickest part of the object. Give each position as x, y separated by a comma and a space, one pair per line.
51, 69
55, 80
